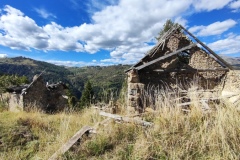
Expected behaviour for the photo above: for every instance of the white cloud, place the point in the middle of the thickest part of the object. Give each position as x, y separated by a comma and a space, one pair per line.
181, 20
20, 32
235, 5
215, 28
3, 55
229, 45
209, 5
29, 35
75, 63
121, 26
112, 27
44, 13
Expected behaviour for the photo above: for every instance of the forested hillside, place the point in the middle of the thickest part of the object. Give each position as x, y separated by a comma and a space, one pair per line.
103, 79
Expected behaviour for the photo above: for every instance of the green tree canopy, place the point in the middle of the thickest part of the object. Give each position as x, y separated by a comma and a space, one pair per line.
169, 23
87, 95
10, 80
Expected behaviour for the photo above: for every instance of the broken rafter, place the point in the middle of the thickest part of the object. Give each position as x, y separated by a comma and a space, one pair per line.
191, 70
126, 119
160, 43
164, 57
162, 40
71, 142
208, 49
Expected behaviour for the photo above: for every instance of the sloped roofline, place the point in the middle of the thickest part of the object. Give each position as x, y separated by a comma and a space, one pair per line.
156, 48
25, 90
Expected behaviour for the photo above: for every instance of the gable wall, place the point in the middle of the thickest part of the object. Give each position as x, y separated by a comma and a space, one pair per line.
147, 77
45, 99
199, 60
36, 95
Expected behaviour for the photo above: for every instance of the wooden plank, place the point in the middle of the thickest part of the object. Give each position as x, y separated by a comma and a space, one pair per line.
69, 143
228, 94
186, 110
184, 104
162, 40
166, 56
156, 47
192, 70
209, 50
126, 119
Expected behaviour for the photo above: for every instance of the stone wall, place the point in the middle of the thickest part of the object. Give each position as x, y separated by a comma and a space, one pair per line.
134, 92
55, 99
36, 95
13, 101
199, 59
231, 87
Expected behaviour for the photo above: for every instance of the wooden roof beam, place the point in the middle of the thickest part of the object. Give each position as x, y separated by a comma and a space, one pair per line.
192, 70
208, 49
164, 57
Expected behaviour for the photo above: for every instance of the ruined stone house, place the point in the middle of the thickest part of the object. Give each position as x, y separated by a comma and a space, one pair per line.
177, 59
38, 94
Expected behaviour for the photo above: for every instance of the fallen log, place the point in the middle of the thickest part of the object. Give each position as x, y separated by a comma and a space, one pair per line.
126, 119
71, 142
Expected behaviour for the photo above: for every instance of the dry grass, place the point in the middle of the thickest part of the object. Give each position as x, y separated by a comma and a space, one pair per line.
175, 134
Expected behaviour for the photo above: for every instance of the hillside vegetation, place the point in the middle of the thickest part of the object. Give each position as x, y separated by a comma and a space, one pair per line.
104, 79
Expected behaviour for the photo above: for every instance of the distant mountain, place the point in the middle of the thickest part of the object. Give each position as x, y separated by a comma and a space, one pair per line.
107, 78
28, 67
234, 61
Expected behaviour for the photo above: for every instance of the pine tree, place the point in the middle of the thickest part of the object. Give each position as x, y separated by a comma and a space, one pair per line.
87, 95
169, 23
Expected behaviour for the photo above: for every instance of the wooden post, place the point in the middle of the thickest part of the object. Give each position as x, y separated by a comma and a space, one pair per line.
69, 143
126, 119
166, 56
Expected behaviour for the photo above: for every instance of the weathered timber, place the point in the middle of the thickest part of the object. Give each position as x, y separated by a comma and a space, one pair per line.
164, 57
205, 105
184, 104
208, 49
192, 70
228, 94
71, 142
162, 40
160, 43
126, 119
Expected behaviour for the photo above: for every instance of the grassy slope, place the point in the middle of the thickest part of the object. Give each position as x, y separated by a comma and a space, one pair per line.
175, 135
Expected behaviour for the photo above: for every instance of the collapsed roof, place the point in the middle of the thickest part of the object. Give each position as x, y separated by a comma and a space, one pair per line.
160, 52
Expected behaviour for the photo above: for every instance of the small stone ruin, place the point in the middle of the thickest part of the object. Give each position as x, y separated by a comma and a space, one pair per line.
38, 95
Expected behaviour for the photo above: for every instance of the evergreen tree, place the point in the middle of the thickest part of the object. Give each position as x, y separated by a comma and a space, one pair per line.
169, 23
72, 100
87, 95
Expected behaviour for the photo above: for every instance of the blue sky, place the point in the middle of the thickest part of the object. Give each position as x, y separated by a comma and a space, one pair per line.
107, 32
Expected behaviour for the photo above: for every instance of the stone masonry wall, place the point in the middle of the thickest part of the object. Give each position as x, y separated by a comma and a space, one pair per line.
36, 95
